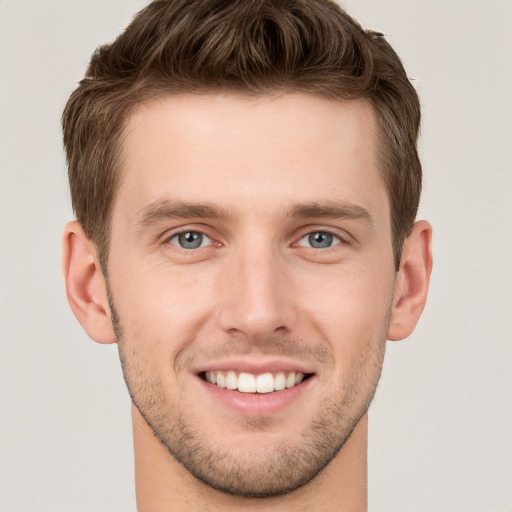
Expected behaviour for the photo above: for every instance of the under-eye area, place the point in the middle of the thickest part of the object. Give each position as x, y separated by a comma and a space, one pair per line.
254, 383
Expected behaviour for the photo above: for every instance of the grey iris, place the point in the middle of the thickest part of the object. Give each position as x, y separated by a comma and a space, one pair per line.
320, 240
190, 239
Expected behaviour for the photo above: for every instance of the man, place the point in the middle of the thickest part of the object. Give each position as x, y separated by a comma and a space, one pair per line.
246, 180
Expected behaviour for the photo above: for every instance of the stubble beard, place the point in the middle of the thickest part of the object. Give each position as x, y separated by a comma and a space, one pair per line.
248, 474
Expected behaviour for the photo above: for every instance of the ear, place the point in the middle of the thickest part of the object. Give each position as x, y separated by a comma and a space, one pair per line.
85, 284
411, 285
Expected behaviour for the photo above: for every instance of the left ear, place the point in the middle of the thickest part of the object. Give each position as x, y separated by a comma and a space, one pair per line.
411, 285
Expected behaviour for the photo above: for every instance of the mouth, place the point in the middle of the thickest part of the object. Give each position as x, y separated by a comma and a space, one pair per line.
262, 383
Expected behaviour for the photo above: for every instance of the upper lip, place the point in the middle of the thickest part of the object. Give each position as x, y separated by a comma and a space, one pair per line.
256, 366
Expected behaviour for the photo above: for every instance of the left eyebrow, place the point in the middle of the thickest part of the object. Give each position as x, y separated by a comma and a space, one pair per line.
331, 210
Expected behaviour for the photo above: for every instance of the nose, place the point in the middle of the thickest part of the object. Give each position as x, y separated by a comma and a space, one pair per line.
257, 295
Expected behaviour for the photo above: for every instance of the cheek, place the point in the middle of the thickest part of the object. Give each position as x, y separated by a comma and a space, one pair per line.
162, 308
347, 298
351, 312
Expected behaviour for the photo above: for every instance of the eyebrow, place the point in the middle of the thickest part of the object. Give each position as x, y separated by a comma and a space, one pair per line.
331, 210
167, 209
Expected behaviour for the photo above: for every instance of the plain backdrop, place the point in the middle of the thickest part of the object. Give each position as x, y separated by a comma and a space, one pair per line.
441, 423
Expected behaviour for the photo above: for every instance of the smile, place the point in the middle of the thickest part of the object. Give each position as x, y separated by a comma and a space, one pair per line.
251, 383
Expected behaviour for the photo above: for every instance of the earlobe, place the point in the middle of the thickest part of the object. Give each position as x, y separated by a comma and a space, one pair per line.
85, 284
412, 282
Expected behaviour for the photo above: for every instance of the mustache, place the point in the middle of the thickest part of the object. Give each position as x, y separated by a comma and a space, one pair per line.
276, 346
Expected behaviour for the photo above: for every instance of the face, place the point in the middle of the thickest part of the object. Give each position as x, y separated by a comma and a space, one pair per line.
251, 272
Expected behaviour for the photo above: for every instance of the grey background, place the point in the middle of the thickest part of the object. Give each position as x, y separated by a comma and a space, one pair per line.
441, 423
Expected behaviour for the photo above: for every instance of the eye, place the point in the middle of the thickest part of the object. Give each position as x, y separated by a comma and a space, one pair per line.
190, 240
319, 240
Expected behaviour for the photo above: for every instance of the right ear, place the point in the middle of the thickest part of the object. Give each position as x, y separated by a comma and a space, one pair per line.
85, 284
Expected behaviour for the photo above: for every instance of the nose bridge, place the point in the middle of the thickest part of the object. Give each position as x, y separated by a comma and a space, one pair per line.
257, 300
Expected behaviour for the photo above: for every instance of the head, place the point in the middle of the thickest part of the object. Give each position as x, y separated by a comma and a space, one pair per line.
249, 48
245, 180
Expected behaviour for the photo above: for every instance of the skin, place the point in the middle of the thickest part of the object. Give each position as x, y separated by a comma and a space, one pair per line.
257, 295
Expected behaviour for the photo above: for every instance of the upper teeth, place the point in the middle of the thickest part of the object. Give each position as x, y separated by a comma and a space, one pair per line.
249, 383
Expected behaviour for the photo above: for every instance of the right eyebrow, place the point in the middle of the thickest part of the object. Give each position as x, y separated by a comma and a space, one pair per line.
166, 209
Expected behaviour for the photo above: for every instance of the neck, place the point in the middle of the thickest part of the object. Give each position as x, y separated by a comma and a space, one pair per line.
163, 484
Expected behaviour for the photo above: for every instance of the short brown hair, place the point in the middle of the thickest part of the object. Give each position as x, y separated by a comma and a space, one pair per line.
248, 47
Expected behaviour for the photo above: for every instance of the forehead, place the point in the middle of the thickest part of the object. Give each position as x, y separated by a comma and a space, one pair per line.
285, 149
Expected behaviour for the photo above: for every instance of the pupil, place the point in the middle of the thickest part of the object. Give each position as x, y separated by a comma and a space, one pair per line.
320, 240
190, 240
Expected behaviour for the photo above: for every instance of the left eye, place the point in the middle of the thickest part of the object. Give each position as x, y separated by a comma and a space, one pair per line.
319, 240
190, 240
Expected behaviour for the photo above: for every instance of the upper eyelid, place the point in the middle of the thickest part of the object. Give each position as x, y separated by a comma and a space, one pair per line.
177, 233
337, 235
170, 233
343, 235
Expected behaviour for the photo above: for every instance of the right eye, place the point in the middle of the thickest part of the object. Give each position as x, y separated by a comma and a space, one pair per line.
190, 240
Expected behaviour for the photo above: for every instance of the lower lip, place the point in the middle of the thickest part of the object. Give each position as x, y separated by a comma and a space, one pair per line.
256, 404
